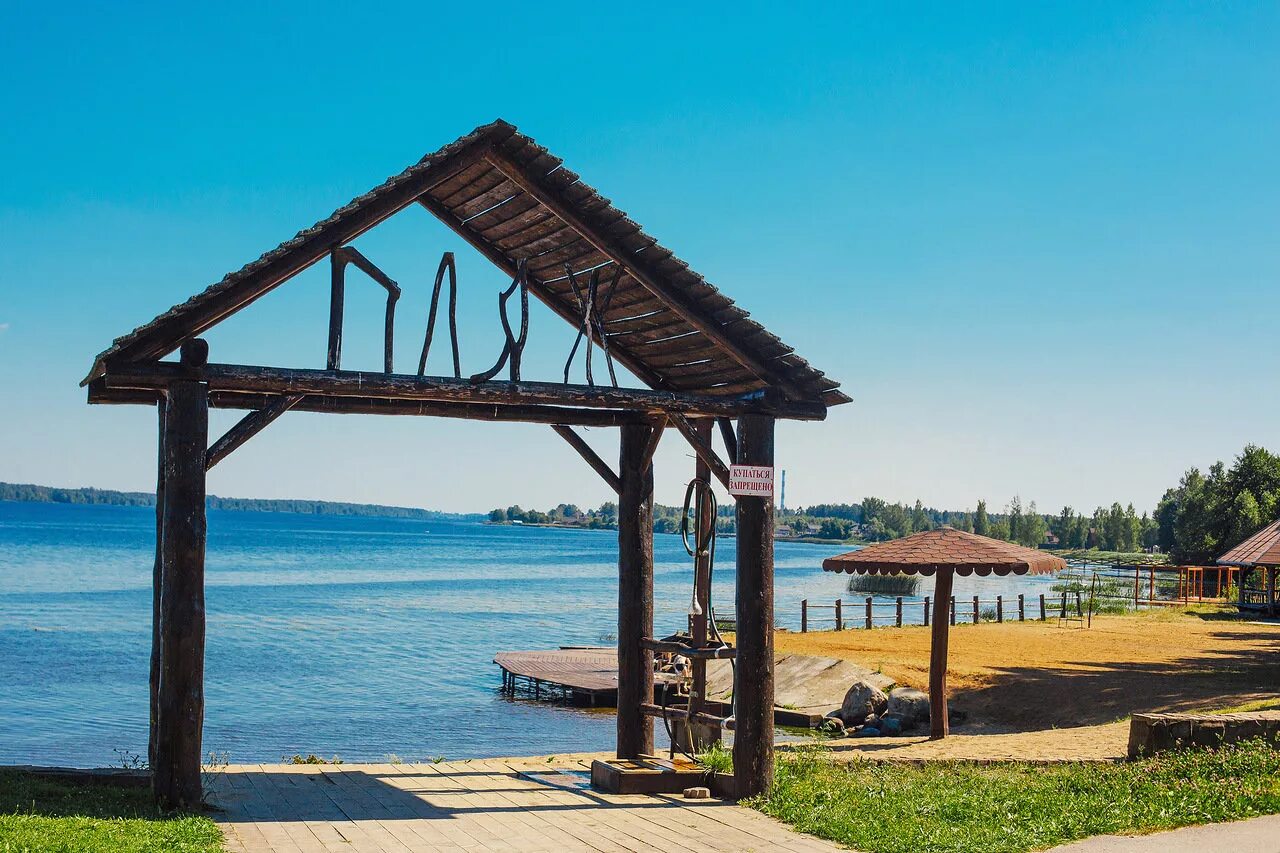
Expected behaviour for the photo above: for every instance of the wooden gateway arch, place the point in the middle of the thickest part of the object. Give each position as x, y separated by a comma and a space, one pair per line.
703, 359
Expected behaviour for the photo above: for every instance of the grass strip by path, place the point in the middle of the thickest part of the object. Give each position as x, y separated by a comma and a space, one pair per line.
42, 815
951, 807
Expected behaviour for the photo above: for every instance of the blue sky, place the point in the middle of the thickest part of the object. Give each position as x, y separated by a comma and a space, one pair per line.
1037, 244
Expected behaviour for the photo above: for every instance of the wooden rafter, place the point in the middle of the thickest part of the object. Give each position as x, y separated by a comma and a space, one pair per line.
592, 458
247, 427
354, 383
655, 284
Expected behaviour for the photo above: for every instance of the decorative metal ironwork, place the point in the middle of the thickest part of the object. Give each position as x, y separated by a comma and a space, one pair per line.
593, 308
513, 349
339, 258
446, 264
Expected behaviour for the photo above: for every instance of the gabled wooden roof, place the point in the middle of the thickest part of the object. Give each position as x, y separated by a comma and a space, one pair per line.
945, 548
513, 200
1260, 549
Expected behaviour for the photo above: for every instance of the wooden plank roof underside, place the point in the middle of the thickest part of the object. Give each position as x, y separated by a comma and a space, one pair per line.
513, 200
1260, 549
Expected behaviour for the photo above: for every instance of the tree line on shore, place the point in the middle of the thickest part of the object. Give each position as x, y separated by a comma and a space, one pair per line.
1194, 522
30, 493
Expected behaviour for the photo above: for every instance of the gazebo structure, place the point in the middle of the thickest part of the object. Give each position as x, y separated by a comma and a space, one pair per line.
943, 553
1258, 559
703, 361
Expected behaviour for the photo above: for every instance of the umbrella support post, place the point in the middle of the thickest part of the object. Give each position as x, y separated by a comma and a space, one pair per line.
938, 723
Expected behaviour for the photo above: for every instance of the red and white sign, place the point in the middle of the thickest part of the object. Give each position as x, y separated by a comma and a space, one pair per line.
751, 481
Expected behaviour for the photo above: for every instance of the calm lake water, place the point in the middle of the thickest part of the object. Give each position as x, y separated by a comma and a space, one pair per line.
359, 637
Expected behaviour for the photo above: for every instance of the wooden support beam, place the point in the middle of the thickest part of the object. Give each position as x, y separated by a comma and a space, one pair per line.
592, 458
175, 776
700, 441
356, 383
635, 594
379, 406
753, 685
730, 440
674, 298
157, 581
249, 426
939, 726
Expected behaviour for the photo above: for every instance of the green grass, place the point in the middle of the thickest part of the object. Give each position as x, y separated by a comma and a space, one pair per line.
716, 758
1009, 808
41, 815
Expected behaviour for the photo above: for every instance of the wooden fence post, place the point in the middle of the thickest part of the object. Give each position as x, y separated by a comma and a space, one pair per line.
804, 615
1043, 615
1063, 613
869, 622
926, 611
999, 608
899, 619
975, 610
839, 615
953, 610
1136, 581
1022, 608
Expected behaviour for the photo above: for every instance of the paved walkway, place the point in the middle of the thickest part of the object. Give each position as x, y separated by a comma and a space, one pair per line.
1259, 835
497, 805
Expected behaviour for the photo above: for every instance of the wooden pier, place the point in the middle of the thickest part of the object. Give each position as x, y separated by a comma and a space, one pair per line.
581, 675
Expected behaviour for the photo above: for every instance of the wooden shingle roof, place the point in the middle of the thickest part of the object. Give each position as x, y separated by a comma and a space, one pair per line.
1260, 549
945, 548
514, 201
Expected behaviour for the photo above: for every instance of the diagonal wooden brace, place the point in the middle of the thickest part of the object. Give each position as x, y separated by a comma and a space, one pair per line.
247, 427
700, 447
584, 450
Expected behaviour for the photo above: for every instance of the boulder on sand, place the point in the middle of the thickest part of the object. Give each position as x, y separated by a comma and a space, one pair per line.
910, 705
861, 701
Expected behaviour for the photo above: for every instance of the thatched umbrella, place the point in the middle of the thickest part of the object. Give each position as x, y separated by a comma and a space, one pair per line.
944, 553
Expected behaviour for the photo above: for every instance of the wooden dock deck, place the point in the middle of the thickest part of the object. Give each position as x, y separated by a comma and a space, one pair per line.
473, 806
587, 675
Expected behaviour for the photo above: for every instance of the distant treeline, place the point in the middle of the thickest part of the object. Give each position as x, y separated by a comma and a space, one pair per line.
51, 494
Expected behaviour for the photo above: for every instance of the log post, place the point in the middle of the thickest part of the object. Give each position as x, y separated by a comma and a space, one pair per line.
938, 723
975, 610
898, 621
635, 593
926, 611
953, 609
753, 690
999, 608
804, 616
1043, 615
839, 617
157, 582
702, 736
175, 775
1022, 607
870, 623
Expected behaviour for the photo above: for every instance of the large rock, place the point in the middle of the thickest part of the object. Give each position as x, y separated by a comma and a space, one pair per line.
862, 700
911, 705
